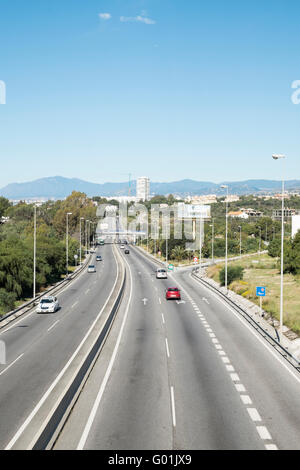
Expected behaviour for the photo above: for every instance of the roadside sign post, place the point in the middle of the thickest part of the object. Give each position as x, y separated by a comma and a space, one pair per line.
171, 267
260, 292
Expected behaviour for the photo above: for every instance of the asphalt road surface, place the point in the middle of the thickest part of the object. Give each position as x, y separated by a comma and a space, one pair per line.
183, 375
39, 345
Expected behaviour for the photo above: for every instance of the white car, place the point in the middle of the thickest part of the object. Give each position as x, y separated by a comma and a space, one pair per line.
48, 305
91, 268
161, 274
122, 247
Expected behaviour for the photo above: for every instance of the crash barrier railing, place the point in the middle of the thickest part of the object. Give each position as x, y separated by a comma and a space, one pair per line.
271, 340
31, 303
45, 426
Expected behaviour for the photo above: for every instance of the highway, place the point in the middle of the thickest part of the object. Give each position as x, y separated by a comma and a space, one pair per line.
183, 375
39, 345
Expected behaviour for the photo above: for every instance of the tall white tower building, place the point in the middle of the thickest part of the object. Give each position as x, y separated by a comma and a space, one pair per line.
143, 188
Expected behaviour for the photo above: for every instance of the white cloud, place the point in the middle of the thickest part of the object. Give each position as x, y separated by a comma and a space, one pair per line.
105, 16
137, 19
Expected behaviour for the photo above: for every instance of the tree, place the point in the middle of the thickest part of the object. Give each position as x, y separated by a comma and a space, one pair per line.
233, 273
4, 205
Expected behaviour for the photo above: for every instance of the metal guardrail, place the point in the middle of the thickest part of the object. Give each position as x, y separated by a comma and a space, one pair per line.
274, 342
48, 437
31, 303
42, 433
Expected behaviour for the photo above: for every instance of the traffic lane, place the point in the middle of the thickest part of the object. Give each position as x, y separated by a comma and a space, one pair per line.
23, 384
135, 410
209, 410
269, 380
210, 414
24, 333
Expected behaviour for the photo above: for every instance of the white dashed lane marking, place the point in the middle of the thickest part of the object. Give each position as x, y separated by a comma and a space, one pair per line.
246, 400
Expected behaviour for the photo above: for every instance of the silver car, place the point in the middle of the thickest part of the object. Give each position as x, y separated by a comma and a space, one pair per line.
91, 268
48, 305
161, 274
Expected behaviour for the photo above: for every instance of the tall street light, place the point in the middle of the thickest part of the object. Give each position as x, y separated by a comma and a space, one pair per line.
86, 238
212, 239
224, 186
34, 254
67, 243
279, 157
80, 249
240, 240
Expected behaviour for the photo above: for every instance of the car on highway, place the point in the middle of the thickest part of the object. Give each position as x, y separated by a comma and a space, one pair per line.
91, 268
126, 251
161, 274
48, 305
98, 258
173, 293
122, 247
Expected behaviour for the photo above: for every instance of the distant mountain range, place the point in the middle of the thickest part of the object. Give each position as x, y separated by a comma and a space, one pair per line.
58, 187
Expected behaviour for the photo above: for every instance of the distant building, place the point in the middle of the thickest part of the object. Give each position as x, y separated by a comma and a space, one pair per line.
277, 213
295, 225
238, 214
252, 212
204, 200
122, 198
232, 198
143, 189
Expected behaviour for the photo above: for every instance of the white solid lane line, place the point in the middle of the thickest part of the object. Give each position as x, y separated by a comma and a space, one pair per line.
250, 328
97, 402
59, 376
173, 407
10, 365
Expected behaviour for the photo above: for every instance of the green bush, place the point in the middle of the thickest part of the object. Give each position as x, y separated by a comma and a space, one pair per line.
233, 273
7, 300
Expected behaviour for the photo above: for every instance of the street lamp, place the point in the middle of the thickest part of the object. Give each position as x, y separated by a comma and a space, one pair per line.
67, 242
34, 254
224, 186
279, 157
212, 239
86, 238
240, 240
259, 249
80, 256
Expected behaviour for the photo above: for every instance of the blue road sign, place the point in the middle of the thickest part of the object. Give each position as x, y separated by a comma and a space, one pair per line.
260, 291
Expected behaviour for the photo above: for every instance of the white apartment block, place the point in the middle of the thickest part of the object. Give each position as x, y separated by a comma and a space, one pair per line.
143, 189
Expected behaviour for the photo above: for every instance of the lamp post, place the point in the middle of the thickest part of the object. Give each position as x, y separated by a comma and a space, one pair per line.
240, 240
86, 237
80, 249
200, 247
212, 239
226, 236
259, 250
67, 243
278, 157
34, 254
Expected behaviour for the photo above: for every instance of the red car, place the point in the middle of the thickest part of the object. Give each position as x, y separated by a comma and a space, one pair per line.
173, 293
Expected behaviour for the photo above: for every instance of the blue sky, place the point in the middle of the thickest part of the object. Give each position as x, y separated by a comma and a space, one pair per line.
170, 89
